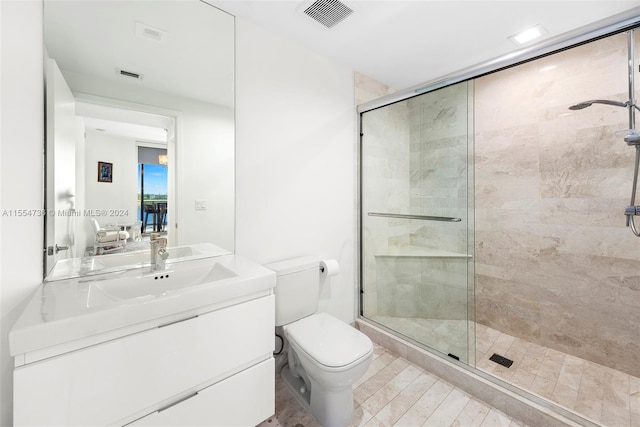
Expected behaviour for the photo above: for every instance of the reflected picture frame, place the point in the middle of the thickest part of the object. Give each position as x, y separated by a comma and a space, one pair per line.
105, 172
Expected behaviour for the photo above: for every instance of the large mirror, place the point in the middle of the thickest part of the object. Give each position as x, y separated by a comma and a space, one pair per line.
140, 127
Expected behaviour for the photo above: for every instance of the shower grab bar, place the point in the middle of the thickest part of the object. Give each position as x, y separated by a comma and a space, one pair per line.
420, 217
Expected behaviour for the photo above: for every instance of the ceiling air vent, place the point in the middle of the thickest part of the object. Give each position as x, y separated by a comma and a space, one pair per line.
129, 74
328, 12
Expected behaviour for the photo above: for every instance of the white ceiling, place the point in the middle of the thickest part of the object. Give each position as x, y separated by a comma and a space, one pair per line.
399, 43
405, 43
195, 59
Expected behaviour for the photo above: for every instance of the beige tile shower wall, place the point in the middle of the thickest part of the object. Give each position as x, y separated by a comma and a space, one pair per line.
555, 263
415, 162
385, 171
367, 89
439, 168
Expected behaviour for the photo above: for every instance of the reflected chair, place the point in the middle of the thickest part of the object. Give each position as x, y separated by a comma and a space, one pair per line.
108, 239
153, 211
158, 212
162, 215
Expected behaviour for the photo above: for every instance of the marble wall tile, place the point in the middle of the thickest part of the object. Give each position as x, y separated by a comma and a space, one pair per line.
415, 161
368, 89
555, 263
508, 305
385, 163
422, 287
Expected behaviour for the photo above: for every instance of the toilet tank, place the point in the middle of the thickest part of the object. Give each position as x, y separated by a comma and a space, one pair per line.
297, 288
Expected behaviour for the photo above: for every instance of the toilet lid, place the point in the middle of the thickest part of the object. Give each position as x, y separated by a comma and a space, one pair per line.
328, 340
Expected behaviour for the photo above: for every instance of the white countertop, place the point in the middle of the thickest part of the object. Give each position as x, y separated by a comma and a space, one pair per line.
65, 311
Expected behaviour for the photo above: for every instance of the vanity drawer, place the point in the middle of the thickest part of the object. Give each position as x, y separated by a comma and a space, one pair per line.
224, 403
127, 378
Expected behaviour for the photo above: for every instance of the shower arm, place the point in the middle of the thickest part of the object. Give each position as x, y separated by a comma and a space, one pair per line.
627, 104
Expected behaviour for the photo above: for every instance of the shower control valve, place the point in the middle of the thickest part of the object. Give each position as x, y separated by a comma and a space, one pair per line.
632, 211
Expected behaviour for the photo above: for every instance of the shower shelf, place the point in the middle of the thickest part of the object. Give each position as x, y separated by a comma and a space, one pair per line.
422, 253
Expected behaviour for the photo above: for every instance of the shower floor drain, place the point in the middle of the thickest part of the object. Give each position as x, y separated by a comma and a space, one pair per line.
501, 360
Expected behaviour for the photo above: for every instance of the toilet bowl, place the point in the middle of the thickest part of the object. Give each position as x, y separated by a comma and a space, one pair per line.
326, 356
329, 356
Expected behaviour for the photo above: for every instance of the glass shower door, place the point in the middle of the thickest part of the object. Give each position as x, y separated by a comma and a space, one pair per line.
417, 221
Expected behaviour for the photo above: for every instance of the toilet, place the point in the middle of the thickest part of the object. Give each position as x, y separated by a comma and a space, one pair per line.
325, 355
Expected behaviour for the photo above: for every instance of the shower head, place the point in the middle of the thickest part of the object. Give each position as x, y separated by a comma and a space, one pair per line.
586, 104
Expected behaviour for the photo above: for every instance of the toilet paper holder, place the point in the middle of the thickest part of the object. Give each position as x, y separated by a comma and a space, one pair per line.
329, 267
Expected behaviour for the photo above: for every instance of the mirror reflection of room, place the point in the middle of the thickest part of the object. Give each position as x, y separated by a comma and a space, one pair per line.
123, 210
114, 95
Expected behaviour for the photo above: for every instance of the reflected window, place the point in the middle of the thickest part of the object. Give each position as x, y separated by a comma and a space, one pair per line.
152, 189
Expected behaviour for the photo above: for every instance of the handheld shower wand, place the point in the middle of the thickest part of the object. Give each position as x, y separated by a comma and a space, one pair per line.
633, 136
585, 104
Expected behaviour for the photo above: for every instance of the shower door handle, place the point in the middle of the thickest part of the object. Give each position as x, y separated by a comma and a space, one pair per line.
419, 217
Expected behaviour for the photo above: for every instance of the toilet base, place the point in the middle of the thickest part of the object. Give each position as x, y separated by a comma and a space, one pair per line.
295, 386
330, 408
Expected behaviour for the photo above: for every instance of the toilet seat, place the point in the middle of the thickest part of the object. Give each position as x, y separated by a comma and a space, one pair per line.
329, 341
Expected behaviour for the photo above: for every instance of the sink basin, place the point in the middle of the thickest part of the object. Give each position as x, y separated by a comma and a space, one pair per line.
126, 301
157, 282
131, 286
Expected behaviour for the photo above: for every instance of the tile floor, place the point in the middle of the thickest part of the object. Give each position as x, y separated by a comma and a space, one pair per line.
394, 392
596, 392
602, 394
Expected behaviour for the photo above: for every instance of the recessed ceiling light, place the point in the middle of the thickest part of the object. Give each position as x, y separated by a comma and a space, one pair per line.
528, 35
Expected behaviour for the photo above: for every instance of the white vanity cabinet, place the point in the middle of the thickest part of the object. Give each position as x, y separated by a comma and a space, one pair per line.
211, 368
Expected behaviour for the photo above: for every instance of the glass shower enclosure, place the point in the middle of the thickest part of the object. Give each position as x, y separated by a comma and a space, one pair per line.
416, 225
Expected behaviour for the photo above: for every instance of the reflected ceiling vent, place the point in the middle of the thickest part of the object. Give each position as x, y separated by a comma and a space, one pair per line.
148, 32
129, 74
328, 12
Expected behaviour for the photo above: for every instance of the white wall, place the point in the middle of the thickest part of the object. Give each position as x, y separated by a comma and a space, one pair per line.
206, 174
295, 163
21, 143
83, 235
121, 194
295, 157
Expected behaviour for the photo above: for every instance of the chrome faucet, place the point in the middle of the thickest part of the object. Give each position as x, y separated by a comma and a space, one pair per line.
159, 252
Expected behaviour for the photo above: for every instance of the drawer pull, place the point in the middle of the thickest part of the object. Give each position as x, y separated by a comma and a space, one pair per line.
172, 404
178, 321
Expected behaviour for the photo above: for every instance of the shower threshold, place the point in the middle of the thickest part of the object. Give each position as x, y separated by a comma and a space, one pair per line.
444, 335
